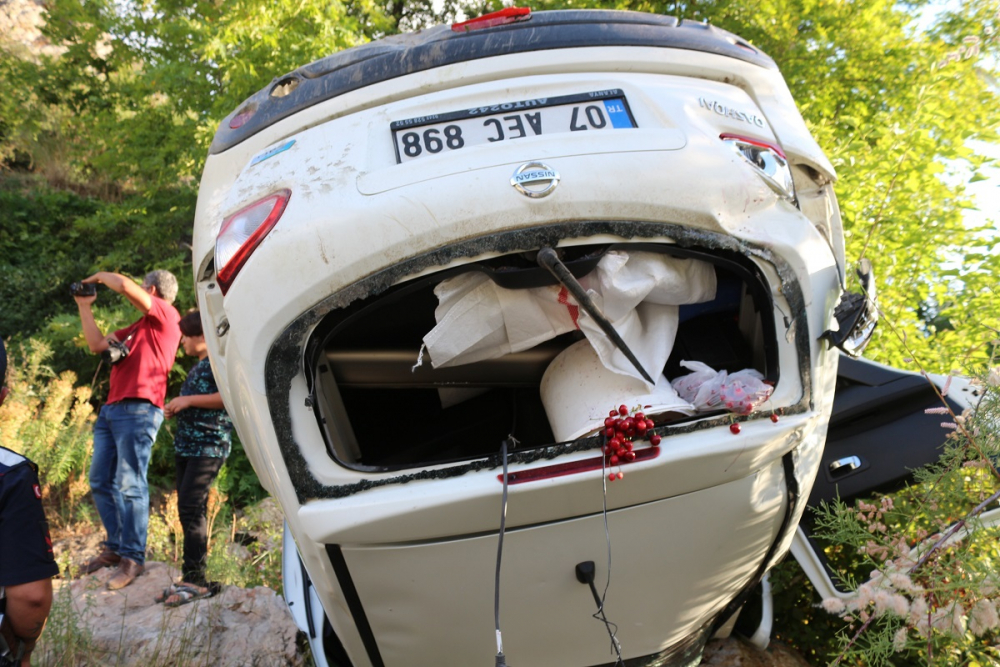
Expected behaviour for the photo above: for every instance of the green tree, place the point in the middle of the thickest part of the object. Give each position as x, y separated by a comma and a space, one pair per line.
897, 109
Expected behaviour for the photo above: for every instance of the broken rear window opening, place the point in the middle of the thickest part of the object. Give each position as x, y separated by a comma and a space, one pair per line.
381, 410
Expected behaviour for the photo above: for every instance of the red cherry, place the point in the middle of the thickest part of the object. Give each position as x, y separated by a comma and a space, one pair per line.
628, 446
622, 410
612, 477
735, 428
609, 421
654, 440
640, 427
774, 418
640, 416
649, 423
614, 459
630, 431
621, 475
609, 432
630, 456
614, 443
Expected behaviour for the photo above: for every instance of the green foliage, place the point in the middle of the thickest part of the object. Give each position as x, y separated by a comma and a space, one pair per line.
51, 238
898, 111
923, 563
253, 557
45, 418
49, 421
137, 95
798, 622
67, 640
237, 479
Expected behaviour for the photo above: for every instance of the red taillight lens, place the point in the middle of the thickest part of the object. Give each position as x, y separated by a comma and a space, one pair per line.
242, 232
242, 116
583, 465
502, 17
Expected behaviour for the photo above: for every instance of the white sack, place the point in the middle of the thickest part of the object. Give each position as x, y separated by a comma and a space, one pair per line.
639, 293
577, 392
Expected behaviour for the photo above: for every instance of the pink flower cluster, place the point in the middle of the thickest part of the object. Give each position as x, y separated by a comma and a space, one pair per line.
924, 606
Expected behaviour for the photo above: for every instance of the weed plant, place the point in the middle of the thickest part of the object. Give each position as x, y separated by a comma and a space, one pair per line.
49, 419
922, 562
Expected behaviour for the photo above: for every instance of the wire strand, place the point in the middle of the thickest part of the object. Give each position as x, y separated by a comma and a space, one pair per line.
612, 628
503, 525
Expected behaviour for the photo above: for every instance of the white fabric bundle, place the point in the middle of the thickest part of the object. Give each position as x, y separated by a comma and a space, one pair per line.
638, 292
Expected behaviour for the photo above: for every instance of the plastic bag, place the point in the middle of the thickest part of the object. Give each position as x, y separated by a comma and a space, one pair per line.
707, 389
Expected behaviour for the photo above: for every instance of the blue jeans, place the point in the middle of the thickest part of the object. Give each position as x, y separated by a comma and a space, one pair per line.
123, 440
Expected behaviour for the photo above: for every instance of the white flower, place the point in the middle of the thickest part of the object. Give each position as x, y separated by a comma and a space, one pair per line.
983, 617
899, 640
918, 613
993, 378
886, 602
833, 605
899, 605
949, 619
902, 581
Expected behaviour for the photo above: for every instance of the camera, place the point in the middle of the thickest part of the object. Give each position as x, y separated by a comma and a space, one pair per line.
83, 289
116, 352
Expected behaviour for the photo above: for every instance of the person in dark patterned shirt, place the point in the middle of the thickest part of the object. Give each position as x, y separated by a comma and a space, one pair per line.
202, 443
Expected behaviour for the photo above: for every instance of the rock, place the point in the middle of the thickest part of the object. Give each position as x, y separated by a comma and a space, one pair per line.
251, 627
21, 24
235, 628
737, 652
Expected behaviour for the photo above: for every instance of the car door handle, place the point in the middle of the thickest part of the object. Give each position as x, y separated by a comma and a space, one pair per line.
844, 465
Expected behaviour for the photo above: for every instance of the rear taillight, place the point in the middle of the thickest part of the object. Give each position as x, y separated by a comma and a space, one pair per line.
502, 17
242, 116
768, 161
574, 467
242, 232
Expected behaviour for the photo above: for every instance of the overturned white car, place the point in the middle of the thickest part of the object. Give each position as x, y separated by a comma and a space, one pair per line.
442, 274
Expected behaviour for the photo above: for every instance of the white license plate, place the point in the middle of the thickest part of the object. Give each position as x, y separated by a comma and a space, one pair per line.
442, 133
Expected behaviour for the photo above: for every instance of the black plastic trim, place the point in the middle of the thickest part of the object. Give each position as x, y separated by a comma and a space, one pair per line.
354, 605
400, 55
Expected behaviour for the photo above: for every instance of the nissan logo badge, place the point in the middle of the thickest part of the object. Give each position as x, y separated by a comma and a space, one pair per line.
535, 180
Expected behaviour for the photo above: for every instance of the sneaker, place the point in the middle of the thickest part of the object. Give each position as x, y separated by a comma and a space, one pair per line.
127, 571
106, 558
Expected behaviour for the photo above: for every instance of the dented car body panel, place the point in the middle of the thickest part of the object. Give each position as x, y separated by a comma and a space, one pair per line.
387, 467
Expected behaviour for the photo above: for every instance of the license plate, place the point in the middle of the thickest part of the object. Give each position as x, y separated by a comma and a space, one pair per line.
442, 133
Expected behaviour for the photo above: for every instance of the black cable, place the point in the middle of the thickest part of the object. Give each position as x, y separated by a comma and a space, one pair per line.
599, 614
501, 661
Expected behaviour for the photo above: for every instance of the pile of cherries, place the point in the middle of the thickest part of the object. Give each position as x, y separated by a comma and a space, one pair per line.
620, 431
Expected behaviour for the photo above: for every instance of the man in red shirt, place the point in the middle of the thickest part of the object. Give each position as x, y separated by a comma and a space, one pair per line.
127, 424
